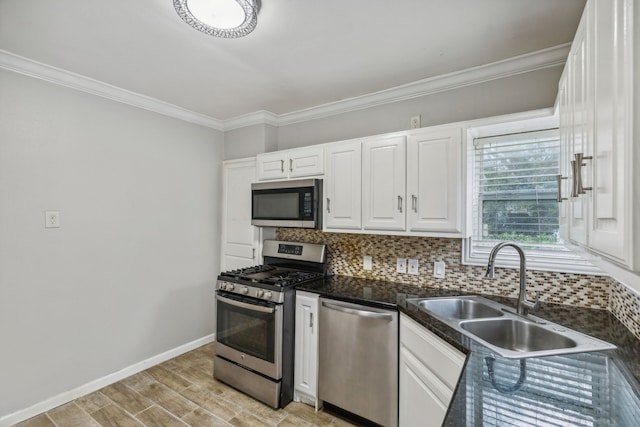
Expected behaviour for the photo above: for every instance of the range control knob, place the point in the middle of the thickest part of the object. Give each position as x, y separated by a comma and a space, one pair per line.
245, 290
230, 286
267, 295
260, 293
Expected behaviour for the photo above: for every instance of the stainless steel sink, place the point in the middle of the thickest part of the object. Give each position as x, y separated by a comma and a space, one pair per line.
459, 308
517, 335
505, 332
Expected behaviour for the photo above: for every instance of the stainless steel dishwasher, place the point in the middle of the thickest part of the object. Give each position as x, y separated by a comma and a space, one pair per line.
358, 366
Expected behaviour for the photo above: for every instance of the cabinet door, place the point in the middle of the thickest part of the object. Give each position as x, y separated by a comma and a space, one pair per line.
306, 162
609, 231
383, 183
240, 239
419, 405
434, 181
566, 152
306, 348
273, 165
580, 101
343, 186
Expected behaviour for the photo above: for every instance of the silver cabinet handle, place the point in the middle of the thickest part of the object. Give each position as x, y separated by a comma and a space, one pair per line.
290, 165
328, 205
240, 304
311, 320
578, 172
356, 312
281, 165
559, 178
574, 184
414, 203
400, 204
253, 253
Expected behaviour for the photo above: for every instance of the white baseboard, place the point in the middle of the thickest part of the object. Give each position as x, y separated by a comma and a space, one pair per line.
99, 383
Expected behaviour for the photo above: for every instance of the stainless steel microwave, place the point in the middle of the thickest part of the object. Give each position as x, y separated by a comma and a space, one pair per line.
287, 203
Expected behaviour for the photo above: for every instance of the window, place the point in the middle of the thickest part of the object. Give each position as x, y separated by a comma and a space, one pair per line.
514, 198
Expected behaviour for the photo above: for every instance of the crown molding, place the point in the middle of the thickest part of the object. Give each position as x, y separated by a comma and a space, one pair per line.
546, 58
19, 64
261, 117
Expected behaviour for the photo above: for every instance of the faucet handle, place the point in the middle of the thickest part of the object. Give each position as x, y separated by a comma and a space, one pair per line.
491, 271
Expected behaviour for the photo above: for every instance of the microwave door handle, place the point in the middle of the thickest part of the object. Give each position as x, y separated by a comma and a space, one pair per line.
245, 305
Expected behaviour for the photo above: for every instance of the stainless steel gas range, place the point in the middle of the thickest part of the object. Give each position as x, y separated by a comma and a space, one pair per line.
255, 312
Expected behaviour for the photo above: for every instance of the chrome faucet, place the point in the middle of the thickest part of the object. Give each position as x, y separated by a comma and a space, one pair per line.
524, 305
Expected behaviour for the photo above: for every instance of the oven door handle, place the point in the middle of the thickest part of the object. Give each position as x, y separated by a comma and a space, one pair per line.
245, 305
361, 313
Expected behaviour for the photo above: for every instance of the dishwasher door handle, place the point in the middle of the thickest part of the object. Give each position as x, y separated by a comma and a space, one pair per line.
356, 312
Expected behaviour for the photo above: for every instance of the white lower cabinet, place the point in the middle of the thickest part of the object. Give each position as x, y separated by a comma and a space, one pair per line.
306, 349
429, 372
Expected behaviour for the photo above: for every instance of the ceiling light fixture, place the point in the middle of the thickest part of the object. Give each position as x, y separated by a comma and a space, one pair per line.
219, 18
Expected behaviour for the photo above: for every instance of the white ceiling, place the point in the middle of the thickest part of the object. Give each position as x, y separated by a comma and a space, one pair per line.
302, 54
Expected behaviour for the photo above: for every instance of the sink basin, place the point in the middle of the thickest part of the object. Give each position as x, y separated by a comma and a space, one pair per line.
517, 335
459, 308
503, 331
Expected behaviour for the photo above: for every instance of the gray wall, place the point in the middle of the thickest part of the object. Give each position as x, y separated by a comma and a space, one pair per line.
249, 141
524, 92
131, 271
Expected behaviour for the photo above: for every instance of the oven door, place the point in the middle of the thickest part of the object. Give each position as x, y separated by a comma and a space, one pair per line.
249, 333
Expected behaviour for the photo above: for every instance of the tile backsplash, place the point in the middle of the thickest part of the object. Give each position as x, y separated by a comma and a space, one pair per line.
345, 253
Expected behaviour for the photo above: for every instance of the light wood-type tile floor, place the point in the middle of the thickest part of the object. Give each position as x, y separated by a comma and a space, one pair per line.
178, 392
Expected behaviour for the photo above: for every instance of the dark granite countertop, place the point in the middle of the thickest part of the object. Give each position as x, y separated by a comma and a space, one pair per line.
599, 389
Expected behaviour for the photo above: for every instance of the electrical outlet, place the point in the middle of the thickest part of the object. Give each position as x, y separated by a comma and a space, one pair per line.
414, 122
413, 266
51, 219
367, 263
401, 265
438, 269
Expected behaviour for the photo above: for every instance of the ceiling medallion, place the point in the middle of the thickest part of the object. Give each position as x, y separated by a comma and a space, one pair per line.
219, 18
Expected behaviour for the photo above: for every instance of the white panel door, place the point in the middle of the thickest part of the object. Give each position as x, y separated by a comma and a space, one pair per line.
306, 162
306, 348
343, 186
434, 181
384, 183
273, 165
240, 240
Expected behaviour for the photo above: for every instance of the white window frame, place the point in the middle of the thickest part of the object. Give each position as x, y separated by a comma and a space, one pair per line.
570, 261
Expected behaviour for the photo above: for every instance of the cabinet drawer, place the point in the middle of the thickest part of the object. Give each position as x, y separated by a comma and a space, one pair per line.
441, 358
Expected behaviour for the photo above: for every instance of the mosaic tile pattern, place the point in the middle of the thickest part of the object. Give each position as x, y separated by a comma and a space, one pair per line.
345, 252
625, 305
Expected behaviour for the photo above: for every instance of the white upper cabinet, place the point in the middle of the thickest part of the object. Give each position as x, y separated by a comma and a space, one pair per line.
598, 96
611, 229
297, 163
383, 183
434, 181
343, 186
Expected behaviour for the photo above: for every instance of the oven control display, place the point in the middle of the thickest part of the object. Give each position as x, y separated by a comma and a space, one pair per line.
290, 249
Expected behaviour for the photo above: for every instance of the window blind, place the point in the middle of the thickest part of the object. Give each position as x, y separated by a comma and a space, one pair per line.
514, 195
